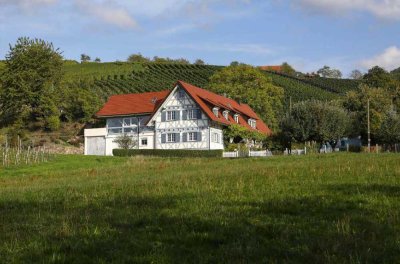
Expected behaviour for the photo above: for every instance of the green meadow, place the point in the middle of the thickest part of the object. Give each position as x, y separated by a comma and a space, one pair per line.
339, 208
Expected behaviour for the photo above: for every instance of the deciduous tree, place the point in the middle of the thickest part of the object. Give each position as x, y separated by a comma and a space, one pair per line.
249, 85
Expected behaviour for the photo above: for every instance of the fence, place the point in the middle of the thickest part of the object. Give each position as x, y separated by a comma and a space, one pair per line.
295, 152
239, 154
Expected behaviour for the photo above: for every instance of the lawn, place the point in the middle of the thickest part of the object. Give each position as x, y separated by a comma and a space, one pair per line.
339, 208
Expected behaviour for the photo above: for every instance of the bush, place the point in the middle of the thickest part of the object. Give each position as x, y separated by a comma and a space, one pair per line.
53, 123
168, 153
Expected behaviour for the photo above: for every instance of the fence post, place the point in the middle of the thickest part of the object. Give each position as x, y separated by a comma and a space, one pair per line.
377, 148
305, 150
347, 147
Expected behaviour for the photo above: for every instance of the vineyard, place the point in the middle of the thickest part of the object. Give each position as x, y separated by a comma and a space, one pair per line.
106, 79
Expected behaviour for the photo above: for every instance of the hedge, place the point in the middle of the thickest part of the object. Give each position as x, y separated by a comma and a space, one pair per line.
168, 153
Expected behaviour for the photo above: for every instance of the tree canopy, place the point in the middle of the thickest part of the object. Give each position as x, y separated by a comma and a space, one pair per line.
328, 72
32, 73
248, 85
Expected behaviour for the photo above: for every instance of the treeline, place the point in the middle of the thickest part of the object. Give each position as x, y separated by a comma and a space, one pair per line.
348, 116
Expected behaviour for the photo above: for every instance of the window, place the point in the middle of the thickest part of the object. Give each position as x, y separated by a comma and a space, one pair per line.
192, 136
126, 125
252, 123
215, 111
226, 114
236, 116
143, 142
171, 115
215, 138
192, 114
171, 137
181, 94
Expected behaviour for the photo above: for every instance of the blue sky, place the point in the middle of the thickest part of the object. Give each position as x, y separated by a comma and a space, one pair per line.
306, 33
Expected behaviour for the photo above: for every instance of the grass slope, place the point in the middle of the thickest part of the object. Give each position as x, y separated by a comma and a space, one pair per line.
312, 209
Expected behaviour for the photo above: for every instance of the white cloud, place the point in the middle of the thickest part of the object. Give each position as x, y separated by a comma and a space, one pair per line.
385, 9
388, 59
107, 12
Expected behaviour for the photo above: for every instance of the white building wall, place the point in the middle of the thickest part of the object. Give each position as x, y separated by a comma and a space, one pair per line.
177, 103
216, 144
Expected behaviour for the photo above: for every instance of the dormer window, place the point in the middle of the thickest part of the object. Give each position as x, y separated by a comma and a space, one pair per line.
236, 117
215, 111
226, 114
252, 123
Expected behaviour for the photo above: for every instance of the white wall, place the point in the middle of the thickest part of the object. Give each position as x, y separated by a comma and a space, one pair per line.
215, 145
175, 103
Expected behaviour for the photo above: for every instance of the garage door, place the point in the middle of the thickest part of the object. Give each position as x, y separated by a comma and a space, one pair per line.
96, 146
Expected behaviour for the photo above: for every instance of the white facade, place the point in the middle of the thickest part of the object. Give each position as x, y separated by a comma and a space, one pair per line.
179, 123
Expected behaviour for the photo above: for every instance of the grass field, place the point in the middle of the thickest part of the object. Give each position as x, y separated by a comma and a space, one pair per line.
340, 208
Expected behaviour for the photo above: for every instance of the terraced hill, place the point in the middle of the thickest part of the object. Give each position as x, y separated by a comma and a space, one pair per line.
106, 79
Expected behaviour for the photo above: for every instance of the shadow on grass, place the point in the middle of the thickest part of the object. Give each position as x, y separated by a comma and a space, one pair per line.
380, 189
159, 229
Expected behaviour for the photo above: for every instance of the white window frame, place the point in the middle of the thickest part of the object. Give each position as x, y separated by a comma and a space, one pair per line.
215, 137
216, 111
141, 141
252, 123
170, 138
226, 114
192, 114
125, 123
192, 136
236, 117
170, 116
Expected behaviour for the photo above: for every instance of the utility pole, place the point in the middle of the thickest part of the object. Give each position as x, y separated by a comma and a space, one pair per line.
369, 131
290, 105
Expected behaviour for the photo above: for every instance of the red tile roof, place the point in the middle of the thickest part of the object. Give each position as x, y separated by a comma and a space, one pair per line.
276, 68
145, 103
129, 104
207, 100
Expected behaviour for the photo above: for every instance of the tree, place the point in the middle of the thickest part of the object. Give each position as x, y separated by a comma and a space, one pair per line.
287, 69
356, 103
138, 58
315, 121
199, 62
98, 60
85, 58
327, 72
234, 63
377, 77
249, 85
356, 74
390, 128
125, 142
32, 73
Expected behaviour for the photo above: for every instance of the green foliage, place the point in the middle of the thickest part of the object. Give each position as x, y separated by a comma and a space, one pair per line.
328, 72
79, 104
315, 121
356, 103
389, 132
249, 85
33, 71
288, 69
356, 74
85, 58
199, 62
377, 77
125, 142
237, 133
168, 153
138, 58
52, 123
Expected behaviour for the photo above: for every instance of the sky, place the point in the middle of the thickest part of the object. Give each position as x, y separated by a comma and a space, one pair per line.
308, 34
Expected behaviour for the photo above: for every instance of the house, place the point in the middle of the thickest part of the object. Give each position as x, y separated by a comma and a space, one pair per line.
186, 117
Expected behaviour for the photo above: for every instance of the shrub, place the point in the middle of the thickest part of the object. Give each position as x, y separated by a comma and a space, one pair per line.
168, 153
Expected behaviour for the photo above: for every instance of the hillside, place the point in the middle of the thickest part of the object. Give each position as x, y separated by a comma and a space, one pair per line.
106, 79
